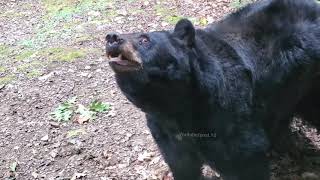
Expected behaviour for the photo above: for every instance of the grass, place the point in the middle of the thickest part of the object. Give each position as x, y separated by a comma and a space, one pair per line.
2, 69
6, 79
66, 9
25, 55
239, 3
34, 73
172, 19
11, 14
5, 51
63, 54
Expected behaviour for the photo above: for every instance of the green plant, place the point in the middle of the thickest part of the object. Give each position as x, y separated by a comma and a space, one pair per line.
87, 114
239, 3
98, 106
64, 111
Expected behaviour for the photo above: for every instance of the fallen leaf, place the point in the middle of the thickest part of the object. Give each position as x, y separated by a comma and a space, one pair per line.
77, 132
13, 167
34, 174
84, 114
45, 138
146, 156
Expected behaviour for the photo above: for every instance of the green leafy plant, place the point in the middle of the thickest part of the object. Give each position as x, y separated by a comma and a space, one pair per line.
64, 111
203, 21
98, 106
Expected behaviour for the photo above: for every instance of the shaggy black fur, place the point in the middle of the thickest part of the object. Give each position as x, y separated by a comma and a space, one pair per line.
225, 94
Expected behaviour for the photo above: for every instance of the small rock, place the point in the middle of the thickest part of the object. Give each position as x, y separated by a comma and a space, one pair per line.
84, 74
98, 70
54, 124
155, 160
122, 12
164, 24
2, 86
122, 166
112, 161
94, 13
210, 19
146, 156
46, 77
106, 154
129, 135
45, 138
119, 19
112, 113
35, 175
71, 70
102, 27
78, 176
54, 153
146, 3
87, 67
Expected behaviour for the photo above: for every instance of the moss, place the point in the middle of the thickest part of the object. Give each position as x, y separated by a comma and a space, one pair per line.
28, 43
170, 15
34, 73
203, 21
84, 38
161, 10
70, 56
24, 55
5, 50
2, 69
11, 14
28, 67
63, 54
138, 11
32, 69
173, 19
7, 79
239, 3
111, 13
65, 9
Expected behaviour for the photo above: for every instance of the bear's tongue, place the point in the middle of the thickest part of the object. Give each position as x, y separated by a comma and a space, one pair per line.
120, 61
123, 61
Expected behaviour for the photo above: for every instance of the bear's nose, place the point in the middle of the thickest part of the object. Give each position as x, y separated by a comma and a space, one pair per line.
114, 39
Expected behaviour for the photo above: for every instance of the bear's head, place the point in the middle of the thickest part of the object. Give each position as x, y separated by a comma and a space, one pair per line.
154, 70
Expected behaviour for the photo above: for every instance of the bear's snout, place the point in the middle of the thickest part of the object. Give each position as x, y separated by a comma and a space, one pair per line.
114, 39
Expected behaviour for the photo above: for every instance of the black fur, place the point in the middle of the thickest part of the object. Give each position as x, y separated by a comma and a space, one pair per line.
238, 82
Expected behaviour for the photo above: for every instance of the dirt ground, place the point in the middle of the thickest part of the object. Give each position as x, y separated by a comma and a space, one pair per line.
51, 51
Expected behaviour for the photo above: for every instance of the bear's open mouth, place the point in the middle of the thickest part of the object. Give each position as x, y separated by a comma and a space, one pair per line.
122, 63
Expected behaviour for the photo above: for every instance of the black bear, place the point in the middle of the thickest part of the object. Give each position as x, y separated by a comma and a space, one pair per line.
223, 95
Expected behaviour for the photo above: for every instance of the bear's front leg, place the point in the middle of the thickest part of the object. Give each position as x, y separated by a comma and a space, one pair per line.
255, 168
243, 155
181, 156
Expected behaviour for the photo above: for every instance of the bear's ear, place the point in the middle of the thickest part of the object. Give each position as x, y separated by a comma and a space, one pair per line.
185, 31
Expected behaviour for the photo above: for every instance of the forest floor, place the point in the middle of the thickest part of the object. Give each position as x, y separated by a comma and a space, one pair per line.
51, 52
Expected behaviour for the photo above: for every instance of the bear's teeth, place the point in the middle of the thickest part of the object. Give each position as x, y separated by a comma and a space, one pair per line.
122, 62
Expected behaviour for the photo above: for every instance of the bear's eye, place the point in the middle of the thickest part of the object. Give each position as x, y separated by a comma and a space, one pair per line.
144, 40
